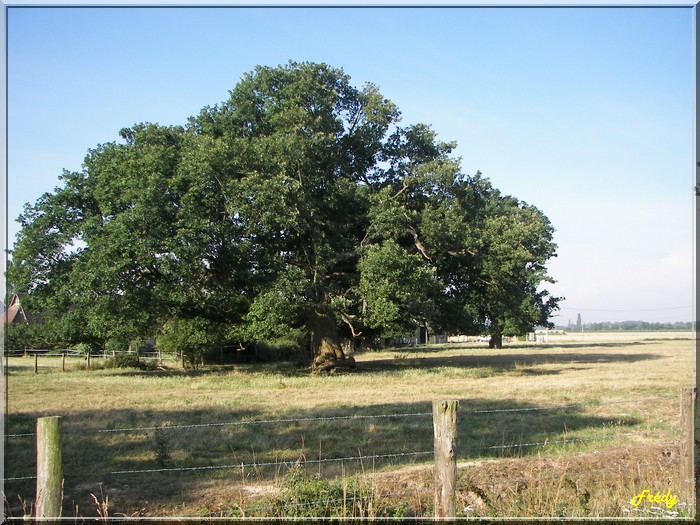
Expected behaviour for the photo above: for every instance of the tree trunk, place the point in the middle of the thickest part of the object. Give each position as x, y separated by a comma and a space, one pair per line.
325, 341
496, 341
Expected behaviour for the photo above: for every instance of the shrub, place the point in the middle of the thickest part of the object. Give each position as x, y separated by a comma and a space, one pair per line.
87, 348
128, 360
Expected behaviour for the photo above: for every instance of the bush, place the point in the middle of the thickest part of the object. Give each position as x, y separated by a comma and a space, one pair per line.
128, 360
290, 347
87, 348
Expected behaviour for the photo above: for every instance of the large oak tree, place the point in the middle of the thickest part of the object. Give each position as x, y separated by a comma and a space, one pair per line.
299, 205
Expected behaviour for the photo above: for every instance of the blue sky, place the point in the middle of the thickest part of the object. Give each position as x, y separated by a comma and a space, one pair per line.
584, 112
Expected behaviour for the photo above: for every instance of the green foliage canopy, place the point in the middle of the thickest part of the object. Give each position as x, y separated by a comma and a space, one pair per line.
298, 205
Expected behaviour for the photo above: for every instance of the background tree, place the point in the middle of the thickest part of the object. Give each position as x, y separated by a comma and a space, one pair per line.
486, 252
516, 244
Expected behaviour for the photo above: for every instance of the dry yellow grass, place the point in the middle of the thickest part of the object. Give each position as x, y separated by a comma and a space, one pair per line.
611, 378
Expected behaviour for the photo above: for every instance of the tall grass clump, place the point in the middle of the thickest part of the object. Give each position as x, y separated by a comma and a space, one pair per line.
308, 496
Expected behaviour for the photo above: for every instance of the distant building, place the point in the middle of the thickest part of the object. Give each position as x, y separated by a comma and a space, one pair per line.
14, 314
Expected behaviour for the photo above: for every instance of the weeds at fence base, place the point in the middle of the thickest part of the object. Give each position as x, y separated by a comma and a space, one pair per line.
305, 495
161, 449
102, 505
27, 508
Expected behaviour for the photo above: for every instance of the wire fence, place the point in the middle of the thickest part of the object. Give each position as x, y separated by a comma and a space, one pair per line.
349, 504
305, 461
40, 356
464, 415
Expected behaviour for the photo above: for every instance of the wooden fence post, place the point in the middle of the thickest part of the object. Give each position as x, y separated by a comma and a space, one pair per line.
49, 470
445, 431
63, 361
88, 361
36, 363
687, 464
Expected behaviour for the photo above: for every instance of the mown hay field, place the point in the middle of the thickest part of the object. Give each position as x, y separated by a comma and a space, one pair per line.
576, 426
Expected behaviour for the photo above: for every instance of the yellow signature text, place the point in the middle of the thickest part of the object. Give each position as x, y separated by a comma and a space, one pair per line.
668, 498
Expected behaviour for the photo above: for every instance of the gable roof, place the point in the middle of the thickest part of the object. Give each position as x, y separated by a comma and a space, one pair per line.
15, 312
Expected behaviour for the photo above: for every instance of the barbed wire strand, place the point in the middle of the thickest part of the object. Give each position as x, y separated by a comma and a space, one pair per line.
235, 423
19, 478
329, 460
337, 418
270, 464
540, 443
559, 407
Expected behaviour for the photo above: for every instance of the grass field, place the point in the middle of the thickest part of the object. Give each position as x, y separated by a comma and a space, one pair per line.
266, 440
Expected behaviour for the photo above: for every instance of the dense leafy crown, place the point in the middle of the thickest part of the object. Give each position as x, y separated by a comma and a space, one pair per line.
299, 209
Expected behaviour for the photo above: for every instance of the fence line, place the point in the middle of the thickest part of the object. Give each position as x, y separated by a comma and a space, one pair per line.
337, 418
95, 355
266, 422
254, 465
351, 458
19, 478
235, 423
445, 493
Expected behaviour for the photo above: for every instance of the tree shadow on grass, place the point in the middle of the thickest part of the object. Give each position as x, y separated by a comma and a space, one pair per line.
436, 349
500, 363
509, 361
199, 458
